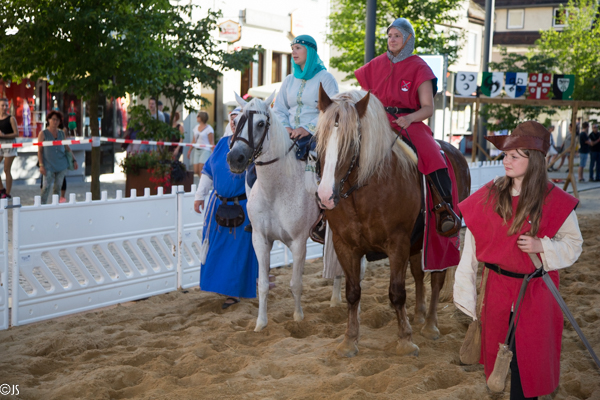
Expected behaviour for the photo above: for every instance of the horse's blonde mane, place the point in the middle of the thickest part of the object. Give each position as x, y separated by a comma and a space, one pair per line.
278, 138
378, 140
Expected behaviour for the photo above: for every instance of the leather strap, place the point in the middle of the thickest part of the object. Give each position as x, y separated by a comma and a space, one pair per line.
504, 272
561, 302
398, 110
241, 197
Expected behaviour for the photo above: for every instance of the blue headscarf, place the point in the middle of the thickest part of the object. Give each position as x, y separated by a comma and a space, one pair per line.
313, 64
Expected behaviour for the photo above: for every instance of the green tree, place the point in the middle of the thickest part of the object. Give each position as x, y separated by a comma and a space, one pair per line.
502, 116
89, 47
195, 59
577, 47
348, 29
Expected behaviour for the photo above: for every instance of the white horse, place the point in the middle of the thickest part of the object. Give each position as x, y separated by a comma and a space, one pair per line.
279, 206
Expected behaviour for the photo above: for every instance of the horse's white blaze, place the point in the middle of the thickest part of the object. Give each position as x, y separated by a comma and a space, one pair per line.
325, 191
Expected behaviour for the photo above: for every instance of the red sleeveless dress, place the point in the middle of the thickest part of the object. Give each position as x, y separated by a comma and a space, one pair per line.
396, 85
539, 330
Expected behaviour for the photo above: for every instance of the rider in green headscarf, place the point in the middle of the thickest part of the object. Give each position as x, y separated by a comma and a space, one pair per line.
313, 63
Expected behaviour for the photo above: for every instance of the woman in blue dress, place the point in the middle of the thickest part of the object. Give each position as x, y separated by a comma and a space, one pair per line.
231, 267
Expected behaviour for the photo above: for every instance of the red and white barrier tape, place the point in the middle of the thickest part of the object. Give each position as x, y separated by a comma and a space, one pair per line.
102, 139
157, 143
46, 143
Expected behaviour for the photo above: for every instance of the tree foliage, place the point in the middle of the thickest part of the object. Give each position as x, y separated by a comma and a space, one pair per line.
348, 29
87, 47
577, 47
195, 59
502, 116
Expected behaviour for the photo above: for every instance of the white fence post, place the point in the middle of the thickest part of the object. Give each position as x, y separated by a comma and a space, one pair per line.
178, 248
4, 266
14, 315
191, 230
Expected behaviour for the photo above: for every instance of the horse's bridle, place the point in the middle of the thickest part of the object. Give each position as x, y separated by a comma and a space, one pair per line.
256, 151
353, 163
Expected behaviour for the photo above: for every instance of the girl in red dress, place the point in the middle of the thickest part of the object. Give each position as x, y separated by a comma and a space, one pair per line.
509, 219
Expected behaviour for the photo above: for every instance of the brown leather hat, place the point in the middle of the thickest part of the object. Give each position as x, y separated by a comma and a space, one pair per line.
528, 135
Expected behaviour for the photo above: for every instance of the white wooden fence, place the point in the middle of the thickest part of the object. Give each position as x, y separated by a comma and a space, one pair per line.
74, 257
4, 265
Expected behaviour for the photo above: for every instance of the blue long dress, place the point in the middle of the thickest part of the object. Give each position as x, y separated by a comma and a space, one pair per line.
231, 266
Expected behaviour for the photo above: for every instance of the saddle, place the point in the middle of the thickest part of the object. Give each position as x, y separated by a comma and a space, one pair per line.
447, 221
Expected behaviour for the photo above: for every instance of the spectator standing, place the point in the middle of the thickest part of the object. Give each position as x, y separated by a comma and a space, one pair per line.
204, 135
552, 151
585, 146
565, 146
53, 159
166, 115
177, 150
154, 113
8, 132
595, 153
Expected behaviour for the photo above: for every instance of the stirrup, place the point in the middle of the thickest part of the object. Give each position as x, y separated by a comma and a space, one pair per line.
317, 231
447, 223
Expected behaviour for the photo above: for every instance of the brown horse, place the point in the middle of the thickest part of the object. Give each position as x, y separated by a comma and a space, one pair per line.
372, 193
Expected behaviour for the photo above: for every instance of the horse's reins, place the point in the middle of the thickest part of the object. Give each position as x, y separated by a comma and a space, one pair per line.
256, 151
356, 156
354, 162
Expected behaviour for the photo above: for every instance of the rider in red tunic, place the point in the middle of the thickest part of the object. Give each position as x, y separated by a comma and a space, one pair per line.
405, 84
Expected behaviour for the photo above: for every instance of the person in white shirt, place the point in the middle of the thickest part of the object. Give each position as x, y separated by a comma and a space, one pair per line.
296, 102
203, 135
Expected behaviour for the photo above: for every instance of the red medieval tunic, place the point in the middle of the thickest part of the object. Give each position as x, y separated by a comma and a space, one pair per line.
396, 85
539, 329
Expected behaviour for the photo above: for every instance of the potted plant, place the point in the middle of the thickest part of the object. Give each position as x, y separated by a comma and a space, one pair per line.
155, 166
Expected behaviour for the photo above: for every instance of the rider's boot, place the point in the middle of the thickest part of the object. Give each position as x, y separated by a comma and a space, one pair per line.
447, 222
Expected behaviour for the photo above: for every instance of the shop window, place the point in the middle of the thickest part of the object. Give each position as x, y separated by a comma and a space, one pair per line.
472, 43
281, 67
253, 75
559, 17
276, 64
515, 19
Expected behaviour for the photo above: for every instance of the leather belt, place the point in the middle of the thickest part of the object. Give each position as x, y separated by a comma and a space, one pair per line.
504, 272
234, 199
396, 110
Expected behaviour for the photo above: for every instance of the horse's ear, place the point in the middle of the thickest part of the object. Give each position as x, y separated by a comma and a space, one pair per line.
362, 104
270, 99
324, 100
240, 101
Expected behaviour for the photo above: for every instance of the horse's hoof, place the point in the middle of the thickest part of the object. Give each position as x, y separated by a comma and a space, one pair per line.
347, 349
430, 332
298, 316
407, 348
335, 302
259, 326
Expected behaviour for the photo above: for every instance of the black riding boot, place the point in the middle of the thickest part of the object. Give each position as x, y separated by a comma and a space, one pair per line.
447, 220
